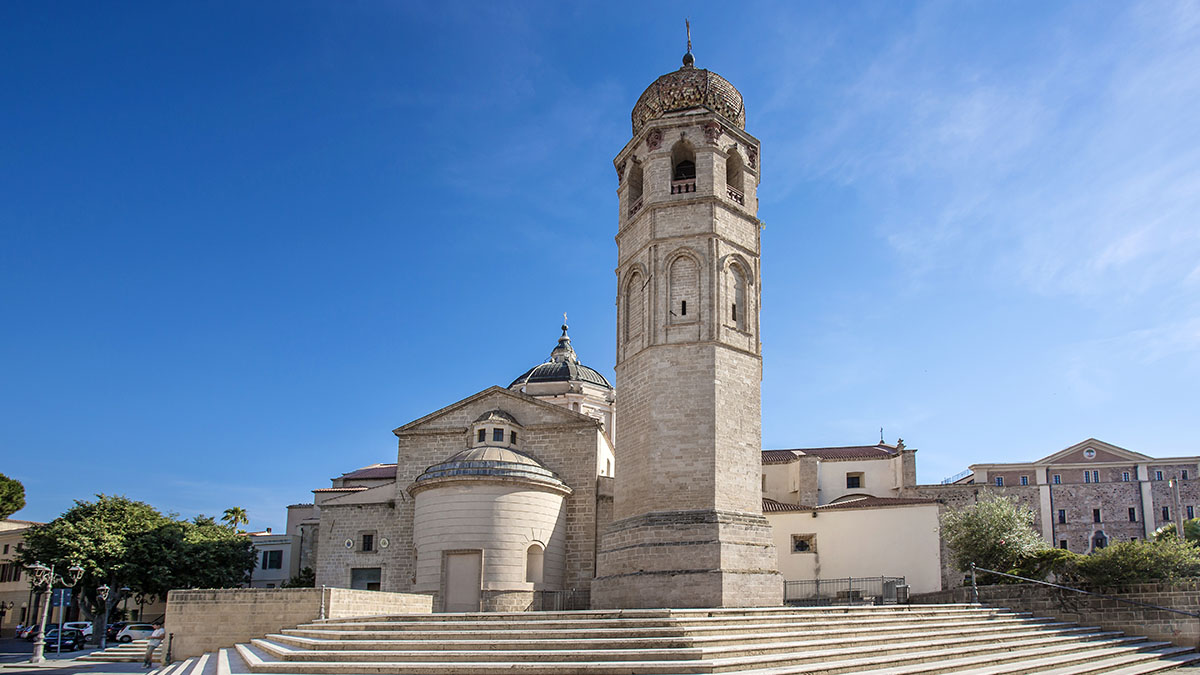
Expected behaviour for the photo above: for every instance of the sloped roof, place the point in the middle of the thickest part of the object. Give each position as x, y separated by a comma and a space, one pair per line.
832, 453
375, 471
772, 506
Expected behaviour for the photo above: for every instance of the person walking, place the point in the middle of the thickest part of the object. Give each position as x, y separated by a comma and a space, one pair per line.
156, 639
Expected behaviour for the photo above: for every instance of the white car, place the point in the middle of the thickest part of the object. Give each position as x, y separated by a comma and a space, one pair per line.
135, 631
84, 627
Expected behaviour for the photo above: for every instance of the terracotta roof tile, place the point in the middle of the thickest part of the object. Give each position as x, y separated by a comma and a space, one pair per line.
835, 453
350, 488
779, 456
772, 506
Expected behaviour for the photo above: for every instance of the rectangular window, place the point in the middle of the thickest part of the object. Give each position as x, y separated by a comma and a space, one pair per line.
6, 549
1024, 480
854, 480
1062, 516
1062, 543
498, 435
272, 560
804, 543
1157, 475
1095, 476
1132, 515
1166, 513
512, 438
1125, 476
482, 435
999, 481
368, 542
1095, 515
1184, 475
1191, 511
1057, 479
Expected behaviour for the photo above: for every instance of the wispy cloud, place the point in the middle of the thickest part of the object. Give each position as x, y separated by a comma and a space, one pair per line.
1080, 176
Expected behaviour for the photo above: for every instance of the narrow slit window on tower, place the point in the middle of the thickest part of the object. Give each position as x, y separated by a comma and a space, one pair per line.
683, 308
1132, 514
733, 311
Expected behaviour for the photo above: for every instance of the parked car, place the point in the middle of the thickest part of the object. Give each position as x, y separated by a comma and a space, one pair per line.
71, 640
114, 628
84, 627
135, 631
30, 632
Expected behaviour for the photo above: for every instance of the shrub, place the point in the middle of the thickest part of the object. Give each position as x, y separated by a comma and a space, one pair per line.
1138, 561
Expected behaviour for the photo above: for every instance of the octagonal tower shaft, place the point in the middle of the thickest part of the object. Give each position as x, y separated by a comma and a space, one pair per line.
688, 528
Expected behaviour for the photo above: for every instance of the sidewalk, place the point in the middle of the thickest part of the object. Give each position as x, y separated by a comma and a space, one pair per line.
14, 657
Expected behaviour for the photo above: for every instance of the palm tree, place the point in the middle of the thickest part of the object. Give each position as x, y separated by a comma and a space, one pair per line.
235, 516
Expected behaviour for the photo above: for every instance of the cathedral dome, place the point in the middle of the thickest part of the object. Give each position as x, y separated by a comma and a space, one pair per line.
563, 366
491, 461
689, 87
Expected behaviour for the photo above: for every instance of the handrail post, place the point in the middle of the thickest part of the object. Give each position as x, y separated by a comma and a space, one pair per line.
974, 586
322, 614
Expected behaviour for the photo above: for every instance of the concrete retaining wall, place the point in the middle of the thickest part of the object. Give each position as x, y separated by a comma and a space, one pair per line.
205, 620
1092, 611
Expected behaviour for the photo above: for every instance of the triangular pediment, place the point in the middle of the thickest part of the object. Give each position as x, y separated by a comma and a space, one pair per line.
1093, 450
527, 410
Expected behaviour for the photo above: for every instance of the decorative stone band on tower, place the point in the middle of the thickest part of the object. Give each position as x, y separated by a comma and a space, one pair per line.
688, 529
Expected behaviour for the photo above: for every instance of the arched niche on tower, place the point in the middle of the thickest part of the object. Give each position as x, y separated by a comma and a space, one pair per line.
633, 309
683, 272
737, 306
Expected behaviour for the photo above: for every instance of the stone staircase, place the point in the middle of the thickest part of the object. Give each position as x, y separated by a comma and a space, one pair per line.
130, 652
852, 640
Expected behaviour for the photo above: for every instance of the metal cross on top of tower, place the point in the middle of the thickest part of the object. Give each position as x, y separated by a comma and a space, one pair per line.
687, 24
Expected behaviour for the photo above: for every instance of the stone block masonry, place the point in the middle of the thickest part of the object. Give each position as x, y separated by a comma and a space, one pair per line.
206, 620
1096, 611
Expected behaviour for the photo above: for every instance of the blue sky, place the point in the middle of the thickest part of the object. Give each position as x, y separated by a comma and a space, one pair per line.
241, 242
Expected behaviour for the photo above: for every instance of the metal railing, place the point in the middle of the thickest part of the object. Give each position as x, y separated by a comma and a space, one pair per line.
877, 590
561, 601
957, 477
975, 591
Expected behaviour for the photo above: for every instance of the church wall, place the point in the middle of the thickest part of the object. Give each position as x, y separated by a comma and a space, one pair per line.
878, 478
892, 541
567, 448
349, 521
502, 520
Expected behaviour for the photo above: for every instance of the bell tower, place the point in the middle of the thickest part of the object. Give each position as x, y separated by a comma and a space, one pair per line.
688, 529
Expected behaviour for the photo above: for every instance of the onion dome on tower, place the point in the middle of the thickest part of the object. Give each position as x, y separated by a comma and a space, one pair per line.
687, 88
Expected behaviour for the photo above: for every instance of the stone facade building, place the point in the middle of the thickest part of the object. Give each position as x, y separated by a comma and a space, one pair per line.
494, 502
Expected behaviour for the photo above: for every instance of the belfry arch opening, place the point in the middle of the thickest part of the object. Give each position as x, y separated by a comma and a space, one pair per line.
683, 168
635, 182
734, 178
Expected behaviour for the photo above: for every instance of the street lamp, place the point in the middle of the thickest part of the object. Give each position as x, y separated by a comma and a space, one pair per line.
44, 580
4, 607
102, 630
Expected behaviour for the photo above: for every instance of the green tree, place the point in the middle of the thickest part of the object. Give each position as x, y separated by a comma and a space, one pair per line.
235, 516
120, 542
307, 578
1191, 531
1138, 561
12, 496
996, 533
97, 537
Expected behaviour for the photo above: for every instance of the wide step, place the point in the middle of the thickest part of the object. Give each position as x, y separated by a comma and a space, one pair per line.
918, 640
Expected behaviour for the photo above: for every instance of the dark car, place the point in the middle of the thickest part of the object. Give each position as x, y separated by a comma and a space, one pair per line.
71, 639
114, 628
